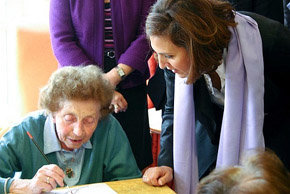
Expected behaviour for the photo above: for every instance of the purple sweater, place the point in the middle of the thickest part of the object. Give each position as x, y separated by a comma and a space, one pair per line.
77, 34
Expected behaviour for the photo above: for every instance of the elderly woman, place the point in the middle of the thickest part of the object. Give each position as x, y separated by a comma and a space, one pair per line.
82, 142
227, 80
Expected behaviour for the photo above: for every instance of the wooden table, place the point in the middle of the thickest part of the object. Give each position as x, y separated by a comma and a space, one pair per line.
136, 186
131, 186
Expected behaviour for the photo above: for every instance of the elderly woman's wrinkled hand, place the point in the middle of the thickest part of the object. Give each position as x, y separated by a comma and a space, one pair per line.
158, 176
46, 179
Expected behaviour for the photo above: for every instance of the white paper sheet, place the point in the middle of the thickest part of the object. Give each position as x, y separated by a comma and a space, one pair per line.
100, 188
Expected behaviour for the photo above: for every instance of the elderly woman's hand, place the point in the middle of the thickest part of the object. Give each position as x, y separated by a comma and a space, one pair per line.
46, 179
158, 176
119, 102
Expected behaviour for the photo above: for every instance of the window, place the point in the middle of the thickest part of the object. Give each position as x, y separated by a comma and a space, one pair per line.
12, 14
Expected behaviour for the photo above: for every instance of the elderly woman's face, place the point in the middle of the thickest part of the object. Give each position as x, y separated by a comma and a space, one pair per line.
76, 122
171, 56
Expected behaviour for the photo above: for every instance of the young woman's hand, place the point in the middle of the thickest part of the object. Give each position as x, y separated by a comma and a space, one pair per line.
158, 176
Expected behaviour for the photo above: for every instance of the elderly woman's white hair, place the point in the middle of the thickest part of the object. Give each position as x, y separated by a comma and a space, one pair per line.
76, 83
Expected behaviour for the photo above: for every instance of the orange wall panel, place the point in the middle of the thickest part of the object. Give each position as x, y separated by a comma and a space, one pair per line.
35, 63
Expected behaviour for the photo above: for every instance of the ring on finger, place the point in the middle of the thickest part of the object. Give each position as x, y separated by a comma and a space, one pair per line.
116, 106
47, 180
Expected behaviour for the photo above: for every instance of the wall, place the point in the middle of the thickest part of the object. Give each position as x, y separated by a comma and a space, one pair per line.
35, 63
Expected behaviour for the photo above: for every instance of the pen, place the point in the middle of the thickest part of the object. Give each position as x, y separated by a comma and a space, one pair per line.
47, 160
30, 136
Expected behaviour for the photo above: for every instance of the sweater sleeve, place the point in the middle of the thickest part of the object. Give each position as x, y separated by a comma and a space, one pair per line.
137, 54
16, 153
120, 163
9, 162
165, 157
63, 37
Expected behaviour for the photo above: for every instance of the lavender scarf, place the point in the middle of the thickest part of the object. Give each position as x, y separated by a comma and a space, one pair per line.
242, 125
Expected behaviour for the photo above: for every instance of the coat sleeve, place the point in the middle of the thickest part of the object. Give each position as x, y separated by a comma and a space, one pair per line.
165, 157
63, 37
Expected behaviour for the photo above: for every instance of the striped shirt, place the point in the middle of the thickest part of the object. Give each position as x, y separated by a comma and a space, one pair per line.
109, 41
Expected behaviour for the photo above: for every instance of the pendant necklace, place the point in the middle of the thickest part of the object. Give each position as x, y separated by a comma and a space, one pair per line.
69, 172
68, 162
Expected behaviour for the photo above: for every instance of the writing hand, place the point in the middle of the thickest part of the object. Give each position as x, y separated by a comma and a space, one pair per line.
46, 179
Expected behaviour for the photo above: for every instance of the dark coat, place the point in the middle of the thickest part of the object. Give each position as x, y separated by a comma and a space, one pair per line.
272, 9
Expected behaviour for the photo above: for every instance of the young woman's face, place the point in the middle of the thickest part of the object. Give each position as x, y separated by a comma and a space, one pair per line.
76, 122
171, 56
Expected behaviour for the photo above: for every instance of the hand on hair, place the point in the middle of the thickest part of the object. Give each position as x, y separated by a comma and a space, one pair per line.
119, 102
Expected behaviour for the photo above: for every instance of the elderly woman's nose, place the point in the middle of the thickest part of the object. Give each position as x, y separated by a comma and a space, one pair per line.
78, 128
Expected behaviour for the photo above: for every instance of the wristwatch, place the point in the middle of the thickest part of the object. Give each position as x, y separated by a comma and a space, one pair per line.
120, 72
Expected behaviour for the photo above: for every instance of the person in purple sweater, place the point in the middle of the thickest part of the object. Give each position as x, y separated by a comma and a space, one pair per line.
111, 36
